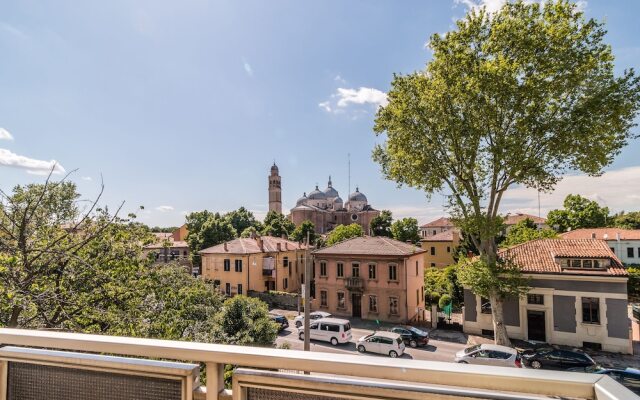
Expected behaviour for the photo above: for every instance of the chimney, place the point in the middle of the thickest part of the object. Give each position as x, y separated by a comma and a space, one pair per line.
260, 243
286, 246
618, 236
593, 235
278, 247
225, 246
284, 236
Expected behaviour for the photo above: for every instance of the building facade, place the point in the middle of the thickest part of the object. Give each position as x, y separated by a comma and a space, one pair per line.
259, 263
327, 210
374, 278
625, 243
578, 296
440, 249
275, 190
435, 227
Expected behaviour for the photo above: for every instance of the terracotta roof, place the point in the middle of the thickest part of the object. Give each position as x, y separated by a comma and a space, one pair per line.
588, 233
251, 246
512, 219
442, 221
162, 235
446, 236
173, 244
371, 245
538, 256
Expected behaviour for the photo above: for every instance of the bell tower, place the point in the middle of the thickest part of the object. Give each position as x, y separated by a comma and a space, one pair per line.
275, 190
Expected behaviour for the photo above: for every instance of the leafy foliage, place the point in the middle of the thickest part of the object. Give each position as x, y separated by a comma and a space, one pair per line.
633, 285
245, 321
525, 231
439, 282
242, 219
627, 220
276, 224
344, 232
207, 229
381, 224
517, 97
300, 233
406, 230
578, 212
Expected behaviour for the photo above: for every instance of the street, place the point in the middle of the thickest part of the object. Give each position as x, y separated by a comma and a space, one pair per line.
436, 350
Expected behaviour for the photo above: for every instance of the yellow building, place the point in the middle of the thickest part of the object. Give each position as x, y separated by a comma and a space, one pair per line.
440, 248
257, 263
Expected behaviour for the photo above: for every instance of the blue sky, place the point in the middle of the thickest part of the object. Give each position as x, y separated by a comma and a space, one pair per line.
184, 105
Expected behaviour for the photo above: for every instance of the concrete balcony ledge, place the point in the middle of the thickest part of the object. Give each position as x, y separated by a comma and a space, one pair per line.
376, 374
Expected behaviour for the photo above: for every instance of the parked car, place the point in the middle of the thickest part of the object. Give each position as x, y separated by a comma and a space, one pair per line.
489, 354
281, 320
412, 336
553, 358
388, 343
332, 330
628, 377
299, 320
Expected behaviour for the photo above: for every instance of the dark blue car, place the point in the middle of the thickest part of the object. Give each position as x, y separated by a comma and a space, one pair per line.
628, 377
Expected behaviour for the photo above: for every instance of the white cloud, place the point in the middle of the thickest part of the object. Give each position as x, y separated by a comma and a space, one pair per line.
164, 208
33, 166
495, 5
87, 178
12, 30
247, 68
617, 189
5, 135
340, 79
344, 97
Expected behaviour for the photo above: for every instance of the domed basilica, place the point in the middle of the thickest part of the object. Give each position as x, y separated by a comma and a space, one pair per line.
326, 209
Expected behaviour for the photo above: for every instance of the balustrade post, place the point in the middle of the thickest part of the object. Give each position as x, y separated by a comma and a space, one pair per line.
215, 380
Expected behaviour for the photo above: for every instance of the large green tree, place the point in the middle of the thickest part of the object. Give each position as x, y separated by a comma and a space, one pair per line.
207, 229
578, 212
516, 97
304, 230
344, 232
627, 220
381, 224
245, 321
276, 224
525, 231
406, 230
241, 219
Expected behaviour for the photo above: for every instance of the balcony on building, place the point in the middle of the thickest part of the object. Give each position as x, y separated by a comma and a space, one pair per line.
354, 283
70, 366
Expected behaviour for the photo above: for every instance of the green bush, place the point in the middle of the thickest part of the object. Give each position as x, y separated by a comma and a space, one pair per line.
633, 285
444, 301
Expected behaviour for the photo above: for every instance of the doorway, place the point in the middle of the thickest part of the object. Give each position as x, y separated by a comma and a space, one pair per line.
536, 325
356, 301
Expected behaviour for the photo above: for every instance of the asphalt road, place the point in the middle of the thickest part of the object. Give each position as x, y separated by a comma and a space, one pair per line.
436, 350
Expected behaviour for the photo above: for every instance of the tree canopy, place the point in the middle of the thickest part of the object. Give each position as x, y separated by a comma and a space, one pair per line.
244, 321
344, 232
381, 224
578, 212
515, 97
627, 220
242, 219
525, 231
300, 233
276, 224
207, 229
406, 230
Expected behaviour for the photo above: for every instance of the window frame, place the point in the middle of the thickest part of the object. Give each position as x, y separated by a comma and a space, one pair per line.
373, 303
340, 269
593, 304
324, 298
355, 269
373, 267
226, 265
323, 268
393, 267
394, 305
342, 306
238, 264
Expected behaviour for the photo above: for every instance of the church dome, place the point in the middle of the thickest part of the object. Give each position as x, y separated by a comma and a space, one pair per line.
337, 200
317, 195
330, 192
302, 199
357, 196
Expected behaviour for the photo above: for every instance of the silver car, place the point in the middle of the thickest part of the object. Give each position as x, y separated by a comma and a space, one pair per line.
489, 354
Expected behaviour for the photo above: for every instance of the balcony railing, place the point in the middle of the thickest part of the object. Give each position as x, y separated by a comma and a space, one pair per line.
331, 375
354, 283
271, 273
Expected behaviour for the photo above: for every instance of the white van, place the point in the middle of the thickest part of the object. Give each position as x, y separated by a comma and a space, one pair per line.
331, 330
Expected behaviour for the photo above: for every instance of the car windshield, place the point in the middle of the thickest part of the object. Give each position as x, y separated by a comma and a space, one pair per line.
417, 331
471, 349
347, 327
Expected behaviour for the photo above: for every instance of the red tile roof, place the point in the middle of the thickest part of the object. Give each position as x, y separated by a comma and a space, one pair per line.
440, 222
538, 256
446, 236
172, 244
252, 246
512, 219
371, 246
599, 233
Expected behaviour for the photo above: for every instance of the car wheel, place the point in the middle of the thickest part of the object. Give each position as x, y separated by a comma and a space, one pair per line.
393, 354
301, 336
334, 341
535, 364
361, 349
298, 324
413, 343
462, 362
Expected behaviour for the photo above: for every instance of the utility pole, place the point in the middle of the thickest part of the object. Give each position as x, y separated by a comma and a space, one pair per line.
307, 297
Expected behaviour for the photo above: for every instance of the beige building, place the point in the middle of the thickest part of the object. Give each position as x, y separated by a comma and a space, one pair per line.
432, 228
625, 243
170, 247
259, 263
578, 296
440, 248
375, 278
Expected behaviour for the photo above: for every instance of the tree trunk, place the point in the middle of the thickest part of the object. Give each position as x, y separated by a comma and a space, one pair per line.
15, 314
499, 328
